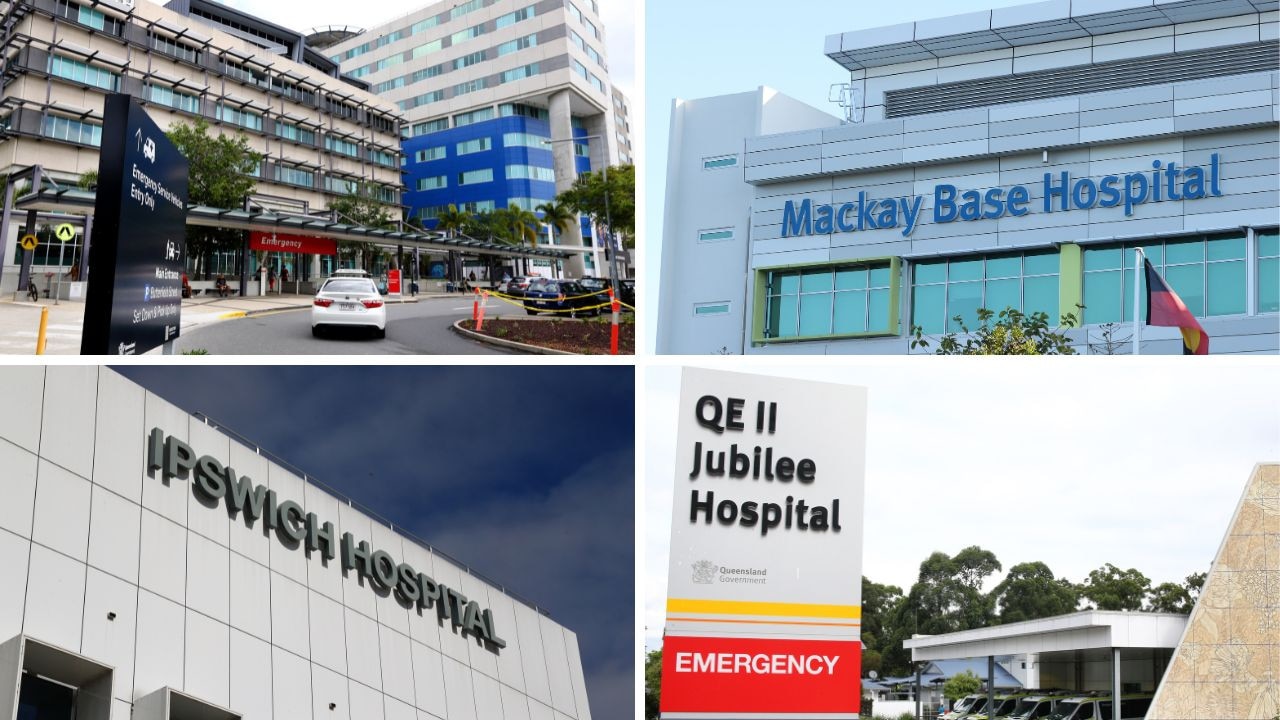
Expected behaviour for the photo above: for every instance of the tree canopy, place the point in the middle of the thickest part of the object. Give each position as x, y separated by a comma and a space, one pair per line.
1031, 591
960, 684
1110, 588
587, 196
221, 176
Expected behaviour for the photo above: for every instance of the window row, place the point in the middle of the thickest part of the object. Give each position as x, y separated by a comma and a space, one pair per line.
84, 73
422, 49
1216, 275
530, 172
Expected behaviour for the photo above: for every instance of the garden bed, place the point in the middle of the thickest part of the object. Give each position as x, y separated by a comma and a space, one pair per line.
584, 337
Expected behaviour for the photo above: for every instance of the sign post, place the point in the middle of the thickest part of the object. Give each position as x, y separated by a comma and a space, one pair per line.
393, 283
134, 303
764, 585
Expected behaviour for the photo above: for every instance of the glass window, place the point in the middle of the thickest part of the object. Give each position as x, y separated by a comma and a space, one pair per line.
173, 98
943, 289
80, 72
240, 116
472, 177
432, 153
433, 183
474, 116
715, 235
430, 126
295, 176
719, 162
75, 131
474, 146
518, 73
169, 46
525, 140
296, 133
530, 172
1207, 272
515, 17
829, 300
1268, 271
711, 308
527, 41
342, 147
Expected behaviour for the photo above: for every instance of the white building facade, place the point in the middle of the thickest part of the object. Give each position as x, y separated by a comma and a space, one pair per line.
158, 568
1014, 157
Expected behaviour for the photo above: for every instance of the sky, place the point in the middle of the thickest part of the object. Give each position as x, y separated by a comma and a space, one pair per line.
524, 474
619, 18
703, 49
1075, 462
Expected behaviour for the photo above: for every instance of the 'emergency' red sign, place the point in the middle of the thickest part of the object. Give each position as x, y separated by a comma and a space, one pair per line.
743, 674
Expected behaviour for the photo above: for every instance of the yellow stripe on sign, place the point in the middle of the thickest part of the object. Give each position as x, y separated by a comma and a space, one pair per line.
744, 607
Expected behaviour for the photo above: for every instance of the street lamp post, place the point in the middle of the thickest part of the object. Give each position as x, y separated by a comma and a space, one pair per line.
608, 220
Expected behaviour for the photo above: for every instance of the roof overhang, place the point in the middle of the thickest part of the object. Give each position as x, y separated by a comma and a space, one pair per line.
1021, 25
1087, 630
81, 202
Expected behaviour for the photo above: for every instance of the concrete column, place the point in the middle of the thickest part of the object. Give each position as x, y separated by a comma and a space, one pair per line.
1033, 670
315, 267
1115, 682
24, 272
562, 162
84, 249
5, 218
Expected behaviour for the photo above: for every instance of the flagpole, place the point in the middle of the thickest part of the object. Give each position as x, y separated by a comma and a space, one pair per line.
1138, 268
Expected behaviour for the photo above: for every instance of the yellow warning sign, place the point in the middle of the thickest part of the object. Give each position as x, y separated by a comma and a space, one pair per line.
29, 242
65, 232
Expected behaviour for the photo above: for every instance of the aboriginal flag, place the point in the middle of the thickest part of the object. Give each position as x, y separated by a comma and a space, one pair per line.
1166, 309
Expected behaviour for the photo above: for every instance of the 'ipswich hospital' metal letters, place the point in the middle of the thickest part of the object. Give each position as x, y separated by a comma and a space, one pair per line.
214, 482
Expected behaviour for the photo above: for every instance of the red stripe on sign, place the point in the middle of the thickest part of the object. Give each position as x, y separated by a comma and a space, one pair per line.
279, 242
733, 675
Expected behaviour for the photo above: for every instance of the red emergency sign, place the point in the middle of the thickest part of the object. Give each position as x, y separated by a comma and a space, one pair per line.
743, 674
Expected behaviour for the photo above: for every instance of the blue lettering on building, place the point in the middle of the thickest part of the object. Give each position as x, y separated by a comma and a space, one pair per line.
1060, 192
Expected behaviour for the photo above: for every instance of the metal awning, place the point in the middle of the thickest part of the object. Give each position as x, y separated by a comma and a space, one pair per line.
1020, 25
76, 201
1087, 630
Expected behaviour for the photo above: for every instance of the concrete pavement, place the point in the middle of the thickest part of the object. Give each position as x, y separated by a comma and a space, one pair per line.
20, 320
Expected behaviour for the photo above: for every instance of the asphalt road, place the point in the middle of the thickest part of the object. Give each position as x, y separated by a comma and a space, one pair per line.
420, 328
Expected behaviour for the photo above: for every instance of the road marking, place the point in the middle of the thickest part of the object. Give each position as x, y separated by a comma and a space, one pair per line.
233, 314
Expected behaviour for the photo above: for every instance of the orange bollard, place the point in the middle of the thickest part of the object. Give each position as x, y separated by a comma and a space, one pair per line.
480, 313
44, 328
613, 332
475, 308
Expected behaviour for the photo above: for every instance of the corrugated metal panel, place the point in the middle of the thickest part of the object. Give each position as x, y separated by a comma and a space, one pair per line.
1120, 74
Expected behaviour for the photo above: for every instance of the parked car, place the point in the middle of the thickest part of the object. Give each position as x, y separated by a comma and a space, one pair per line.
966, 706
516, 286
560, 295
348, 301
1005, 702
1034, 707
1098, 707
626, 289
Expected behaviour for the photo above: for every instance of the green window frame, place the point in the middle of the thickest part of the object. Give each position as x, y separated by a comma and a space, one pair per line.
943, 288
240, 117
1268, 293
434, 182
824, 301
1208, 272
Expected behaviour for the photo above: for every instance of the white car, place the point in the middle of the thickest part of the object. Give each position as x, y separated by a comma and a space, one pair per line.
348, 301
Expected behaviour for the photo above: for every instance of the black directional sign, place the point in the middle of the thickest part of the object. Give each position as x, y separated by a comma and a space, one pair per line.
135, 270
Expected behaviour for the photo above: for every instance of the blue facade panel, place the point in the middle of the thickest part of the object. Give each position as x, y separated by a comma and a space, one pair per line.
499, 192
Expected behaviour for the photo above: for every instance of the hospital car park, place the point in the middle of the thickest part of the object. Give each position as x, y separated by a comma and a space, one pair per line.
1014, 157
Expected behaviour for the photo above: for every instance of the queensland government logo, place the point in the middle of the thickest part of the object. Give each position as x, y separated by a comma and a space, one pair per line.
704, 572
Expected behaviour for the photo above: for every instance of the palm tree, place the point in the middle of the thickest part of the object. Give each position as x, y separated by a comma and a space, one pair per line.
451, 220
558, 216
524, 226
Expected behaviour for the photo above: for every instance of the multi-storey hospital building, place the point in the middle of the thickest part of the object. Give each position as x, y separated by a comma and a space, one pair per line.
159, 569
1006, 158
